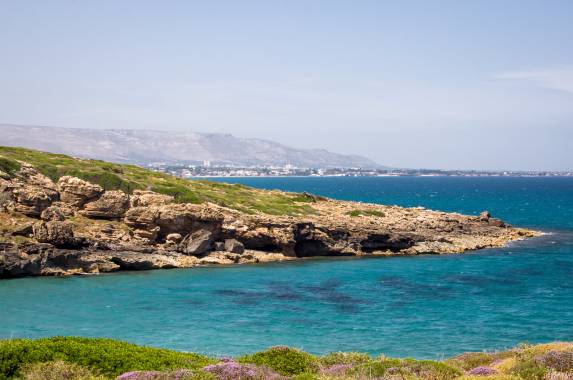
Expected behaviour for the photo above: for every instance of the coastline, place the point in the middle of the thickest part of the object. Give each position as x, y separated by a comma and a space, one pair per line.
69, 225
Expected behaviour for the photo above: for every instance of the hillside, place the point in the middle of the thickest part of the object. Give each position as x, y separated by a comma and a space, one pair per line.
146, 146
130, 177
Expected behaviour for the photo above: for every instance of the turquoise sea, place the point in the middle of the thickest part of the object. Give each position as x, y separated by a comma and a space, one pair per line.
425, 306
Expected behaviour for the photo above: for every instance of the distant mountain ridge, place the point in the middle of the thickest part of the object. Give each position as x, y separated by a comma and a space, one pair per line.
147, 146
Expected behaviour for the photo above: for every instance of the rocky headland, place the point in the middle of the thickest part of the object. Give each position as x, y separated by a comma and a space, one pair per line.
62, 216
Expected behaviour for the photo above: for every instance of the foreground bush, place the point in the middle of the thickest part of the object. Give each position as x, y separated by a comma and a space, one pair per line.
105, 356
58, 370
286, 361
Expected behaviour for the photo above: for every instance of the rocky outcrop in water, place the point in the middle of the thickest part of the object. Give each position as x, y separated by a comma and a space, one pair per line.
76, 227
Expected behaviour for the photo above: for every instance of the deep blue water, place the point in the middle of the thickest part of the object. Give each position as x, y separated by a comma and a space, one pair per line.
426, 306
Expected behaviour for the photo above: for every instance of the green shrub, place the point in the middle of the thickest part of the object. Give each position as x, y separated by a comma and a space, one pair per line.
9, 166
57, 370
407, 368
344, 358
356, 213
284, 360
106, 356
471, 360
430, 369
529, 369
377, 368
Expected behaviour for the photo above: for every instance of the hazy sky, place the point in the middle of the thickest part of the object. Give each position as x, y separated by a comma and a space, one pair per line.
441, 84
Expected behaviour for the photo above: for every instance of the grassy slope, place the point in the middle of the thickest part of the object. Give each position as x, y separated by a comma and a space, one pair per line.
108, 358
130, 177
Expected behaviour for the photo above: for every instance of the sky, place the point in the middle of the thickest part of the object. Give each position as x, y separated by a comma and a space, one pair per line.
473, 84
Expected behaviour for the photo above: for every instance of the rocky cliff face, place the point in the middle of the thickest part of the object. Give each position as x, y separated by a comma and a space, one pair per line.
75, 227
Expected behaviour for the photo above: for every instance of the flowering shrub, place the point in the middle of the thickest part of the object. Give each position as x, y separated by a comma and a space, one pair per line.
58, 370
482, 371
336, 369
555, 375
561, 361
181, 374
353, 358
231, 370
137, 375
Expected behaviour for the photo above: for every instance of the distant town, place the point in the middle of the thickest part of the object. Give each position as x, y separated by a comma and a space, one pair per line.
207, 169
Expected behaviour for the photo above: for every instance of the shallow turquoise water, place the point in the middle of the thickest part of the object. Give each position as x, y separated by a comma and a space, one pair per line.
427, 306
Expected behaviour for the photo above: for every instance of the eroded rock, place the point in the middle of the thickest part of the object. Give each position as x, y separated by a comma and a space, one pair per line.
110, 205
77, 192
197, 243
234, 246
59, 234
52, 213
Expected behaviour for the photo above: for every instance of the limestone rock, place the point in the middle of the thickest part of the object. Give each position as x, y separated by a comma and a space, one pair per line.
110, 205
142, 218
174, 218
184, 218
59, 234
197, 243
26, 230
220, 258
234, 246
32, 200
484, 215
52, 213
77, 192
141, 198
173, 238
496, 222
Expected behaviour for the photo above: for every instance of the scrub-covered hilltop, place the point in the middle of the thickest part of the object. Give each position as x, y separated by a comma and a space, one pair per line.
61, 215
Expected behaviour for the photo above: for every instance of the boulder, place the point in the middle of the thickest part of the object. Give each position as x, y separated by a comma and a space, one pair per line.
17, 264
496, 222
143, 218
185, 218
77, 192
110, 205
148, 234
142, 198
484, 215
26, 229
52, 213
59, 234
197, 243
174, 219
234, 246
32, 200
220, 258
173, 238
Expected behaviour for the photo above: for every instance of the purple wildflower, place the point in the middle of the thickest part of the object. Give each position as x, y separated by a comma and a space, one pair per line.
336, 369
482, 371
231, 370
138, 375
559, 360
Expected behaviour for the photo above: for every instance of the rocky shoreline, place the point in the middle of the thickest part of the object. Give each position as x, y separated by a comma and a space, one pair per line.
72, 226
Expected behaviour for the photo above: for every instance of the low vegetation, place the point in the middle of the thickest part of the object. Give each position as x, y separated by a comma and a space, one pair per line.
98, 359
356, 213
131, 177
